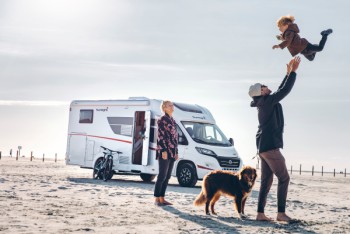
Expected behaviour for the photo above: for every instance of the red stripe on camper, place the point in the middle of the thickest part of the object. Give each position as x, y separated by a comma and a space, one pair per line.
205, 168
108, 138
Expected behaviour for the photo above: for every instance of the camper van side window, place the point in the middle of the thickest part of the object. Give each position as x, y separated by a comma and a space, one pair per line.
182, 137
152, 136
86, 116
153, 131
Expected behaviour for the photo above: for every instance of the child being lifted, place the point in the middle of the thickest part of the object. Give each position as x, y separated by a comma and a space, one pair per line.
295, 44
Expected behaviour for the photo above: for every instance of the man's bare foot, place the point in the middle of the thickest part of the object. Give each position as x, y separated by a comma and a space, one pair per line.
281, 216
167, 203
263, 217
162, 200
157, 202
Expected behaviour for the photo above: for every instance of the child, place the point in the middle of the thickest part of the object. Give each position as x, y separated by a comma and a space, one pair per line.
295, 44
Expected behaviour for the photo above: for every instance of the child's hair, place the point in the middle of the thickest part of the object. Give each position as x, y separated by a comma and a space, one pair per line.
284, 20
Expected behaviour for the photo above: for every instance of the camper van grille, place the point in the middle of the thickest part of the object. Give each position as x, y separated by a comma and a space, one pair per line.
230, 169
228, 162
124, 160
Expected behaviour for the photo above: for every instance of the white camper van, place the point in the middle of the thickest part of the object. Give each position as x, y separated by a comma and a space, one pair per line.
130, 126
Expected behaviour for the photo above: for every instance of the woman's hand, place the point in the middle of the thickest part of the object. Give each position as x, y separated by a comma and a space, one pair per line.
275, 47
176, 157
164, 155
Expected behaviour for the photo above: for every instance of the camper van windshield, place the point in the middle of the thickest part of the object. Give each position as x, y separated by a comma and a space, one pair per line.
205, 133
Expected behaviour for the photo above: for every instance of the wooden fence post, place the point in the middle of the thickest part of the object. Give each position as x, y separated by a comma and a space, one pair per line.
312, 170
291, 170
17, 156
31, 155
322, 170
300, 170
56, 157
345, 173
43, 157
0, 155
334, 172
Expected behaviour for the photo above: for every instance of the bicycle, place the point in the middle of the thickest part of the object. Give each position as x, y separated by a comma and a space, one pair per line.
103, 166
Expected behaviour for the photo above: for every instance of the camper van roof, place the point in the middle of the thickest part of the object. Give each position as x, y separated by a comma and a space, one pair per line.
111, 102
141, 101
188, 107
138, 98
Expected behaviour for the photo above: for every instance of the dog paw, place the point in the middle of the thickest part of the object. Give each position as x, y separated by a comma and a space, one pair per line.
214, 213
207, 213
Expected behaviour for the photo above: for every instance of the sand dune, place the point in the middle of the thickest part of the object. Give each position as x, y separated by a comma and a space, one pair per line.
49, 197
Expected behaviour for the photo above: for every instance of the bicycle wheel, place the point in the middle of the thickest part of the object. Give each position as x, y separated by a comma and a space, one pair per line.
108, 172
97, 172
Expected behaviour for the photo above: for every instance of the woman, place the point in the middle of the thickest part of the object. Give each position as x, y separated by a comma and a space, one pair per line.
167, 151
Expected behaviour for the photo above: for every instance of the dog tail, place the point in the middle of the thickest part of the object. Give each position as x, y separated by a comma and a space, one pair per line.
200, 199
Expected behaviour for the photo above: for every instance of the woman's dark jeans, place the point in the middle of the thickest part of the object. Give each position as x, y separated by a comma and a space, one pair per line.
165, 169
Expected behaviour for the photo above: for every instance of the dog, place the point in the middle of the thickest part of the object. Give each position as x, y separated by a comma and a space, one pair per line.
238, 185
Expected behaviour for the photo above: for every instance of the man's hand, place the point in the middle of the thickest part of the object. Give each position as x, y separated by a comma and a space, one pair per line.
275, 47
164, 155
289, 66
279, 37
293, 65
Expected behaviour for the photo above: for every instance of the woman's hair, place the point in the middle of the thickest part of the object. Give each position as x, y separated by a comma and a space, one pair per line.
284, 20
164, 103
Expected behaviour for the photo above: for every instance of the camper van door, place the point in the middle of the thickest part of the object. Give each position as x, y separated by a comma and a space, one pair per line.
76, 152
89, 153
145, 147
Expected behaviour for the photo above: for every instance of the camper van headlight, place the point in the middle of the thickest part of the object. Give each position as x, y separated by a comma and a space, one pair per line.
205, 151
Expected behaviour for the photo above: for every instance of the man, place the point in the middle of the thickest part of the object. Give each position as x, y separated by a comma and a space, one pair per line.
269, 140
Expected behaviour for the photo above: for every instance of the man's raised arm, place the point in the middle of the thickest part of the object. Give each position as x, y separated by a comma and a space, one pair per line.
288, 82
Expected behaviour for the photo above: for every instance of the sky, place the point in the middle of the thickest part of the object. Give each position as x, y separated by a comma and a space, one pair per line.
200, 52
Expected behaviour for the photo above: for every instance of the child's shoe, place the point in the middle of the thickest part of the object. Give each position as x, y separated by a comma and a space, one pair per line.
326, 32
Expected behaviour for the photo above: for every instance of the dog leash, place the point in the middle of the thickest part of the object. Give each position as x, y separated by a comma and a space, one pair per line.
256, 156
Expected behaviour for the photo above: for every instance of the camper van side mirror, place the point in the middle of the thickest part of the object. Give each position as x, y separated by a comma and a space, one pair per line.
231, 141
183, 140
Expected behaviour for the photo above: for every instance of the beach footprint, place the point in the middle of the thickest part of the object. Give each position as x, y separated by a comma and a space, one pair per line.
63, 187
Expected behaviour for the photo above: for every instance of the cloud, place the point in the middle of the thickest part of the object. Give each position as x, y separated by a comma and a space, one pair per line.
322, 101
32, 103
236, 81
151, 67
12, 49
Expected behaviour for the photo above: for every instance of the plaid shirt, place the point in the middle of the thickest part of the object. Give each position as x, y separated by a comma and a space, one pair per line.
167, 140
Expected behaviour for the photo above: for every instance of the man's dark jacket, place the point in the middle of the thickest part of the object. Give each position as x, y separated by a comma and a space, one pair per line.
270, 115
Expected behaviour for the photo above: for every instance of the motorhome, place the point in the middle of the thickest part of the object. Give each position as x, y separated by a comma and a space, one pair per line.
130, 126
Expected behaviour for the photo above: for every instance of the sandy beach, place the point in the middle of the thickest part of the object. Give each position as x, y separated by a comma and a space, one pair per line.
49, 197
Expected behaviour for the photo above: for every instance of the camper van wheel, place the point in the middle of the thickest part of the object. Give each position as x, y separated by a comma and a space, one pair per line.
186, 175
97, 172
147, 177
